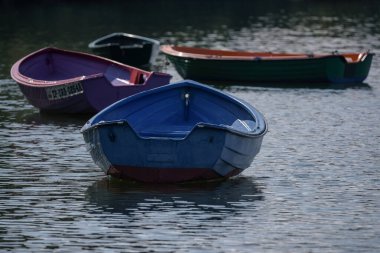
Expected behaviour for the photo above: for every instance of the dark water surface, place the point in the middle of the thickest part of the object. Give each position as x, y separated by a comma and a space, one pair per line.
314, 187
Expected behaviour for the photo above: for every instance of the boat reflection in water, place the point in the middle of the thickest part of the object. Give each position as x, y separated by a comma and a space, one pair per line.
218, 197
246, 86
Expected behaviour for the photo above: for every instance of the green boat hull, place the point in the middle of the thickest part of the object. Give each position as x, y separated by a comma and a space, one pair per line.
331, 69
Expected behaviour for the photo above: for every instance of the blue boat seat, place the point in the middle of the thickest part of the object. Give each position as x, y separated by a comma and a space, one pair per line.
171, 134
177, 132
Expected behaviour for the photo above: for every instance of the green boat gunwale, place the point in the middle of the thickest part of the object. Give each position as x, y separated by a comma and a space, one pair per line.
214, 54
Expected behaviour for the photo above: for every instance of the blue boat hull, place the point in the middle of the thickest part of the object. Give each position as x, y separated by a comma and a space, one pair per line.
205, 154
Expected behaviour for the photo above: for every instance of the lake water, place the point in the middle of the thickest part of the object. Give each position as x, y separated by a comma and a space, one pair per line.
314, 187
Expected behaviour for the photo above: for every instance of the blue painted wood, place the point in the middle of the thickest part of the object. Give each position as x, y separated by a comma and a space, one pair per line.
184, 126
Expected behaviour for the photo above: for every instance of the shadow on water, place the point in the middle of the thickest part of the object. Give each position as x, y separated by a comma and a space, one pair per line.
14, 108
36, 118
60, 119
117, 196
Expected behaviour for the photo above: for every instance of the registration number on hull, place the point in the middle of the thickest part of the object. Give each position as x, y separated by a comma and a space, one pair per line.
64, 91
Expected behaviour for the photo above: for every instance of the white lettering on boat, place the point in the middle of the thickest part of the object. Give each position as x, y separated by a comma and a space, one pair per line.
64, 91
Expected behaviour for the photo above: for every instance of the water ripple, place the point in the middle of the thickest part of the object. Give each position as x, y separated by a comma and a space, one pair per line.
314, 187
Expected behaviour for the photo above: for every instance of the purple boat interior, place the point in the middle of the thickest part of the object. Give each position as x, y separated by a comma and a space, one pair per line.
58, 66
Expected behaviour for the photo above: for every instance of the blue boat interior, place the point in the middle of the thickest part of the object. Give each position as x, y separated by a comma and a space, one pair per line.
175, 110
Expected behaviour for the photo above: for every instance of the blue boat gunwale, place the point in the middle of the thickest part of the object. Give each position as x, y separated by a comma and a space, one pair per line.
172, 135
260, 123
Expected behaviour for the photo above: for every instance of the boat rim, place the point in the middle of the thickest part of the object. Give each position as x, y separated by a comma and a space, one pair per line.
25, 80
253, 134
94, 44
217, 54
261, 126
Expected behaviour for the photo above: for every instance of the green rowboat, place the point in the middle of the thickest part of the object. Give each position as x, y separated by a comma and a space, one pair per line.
222, 65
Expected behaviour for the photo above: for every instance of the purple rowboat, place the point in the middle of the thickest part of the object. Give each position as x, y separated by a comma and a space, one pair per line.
63, 81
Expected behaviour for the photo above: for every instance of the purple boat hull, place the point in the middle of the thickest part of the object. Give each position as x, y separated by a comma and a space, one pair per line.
64, 81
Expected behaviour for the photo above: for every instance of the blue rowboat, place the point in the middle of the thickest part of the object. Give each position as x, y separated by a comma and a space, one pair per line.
181, 132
